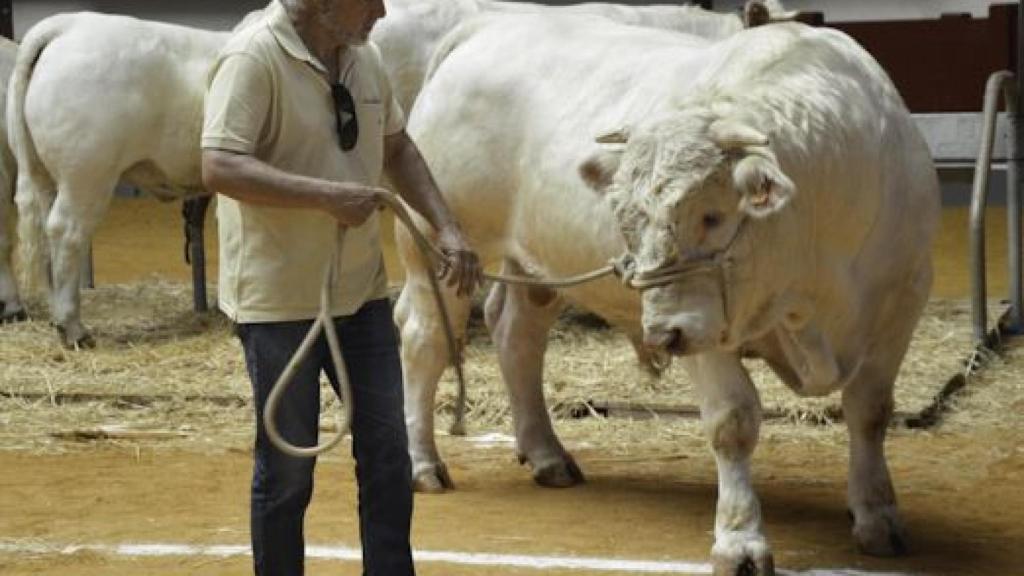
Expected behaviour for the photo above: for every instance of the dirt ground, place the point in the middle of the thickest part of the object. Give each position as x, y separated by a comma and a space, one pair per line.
650, 492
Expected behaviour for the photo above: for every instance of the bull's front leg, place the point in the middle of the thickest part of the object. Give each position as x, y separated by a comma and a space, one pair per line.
11, 309
425, 355
519, 319
731, 415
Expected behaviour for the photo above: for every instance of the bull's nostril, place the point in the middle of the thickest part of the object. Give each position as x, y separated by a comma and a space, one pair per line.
671, 341
676, 342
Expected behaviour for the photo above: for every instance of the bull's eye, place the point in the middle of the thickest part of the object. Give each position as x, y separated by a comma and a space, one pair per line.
712, 220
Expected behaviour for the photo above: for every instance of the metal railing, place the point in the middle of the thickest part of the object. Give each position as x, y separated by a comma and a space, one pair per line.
1000, 83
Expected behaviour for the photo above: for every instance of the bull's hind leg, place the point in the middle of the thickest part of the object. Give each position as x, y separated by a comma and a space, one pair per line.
731, 414
70, 225
425, 356
519, 325
867, 409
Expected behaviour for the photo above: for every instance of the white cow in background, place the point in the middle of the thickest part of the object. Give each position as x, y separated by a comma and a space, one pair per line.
97, 99
412, 28
772, 193
11, 308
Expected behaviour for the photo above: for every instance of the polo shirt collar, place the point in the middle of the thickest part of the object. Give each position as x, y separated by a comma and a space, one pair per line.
284, 31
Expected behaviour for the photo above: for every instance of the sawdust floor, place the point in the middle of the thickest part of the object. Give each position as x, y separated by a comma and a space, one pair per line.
650, 496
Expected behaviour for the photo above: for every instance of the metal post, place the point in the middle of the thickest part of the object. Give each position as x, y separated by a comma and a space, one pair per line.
999, 82
1014, 173
194, 211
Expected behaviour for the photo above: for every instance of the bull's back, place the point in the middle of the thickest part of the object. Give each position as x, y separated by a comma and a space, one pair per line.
510, 112
408, 35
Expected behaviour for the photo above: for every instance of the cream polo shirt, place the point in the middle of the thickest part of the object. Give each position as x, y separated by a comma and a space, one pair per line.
269, 97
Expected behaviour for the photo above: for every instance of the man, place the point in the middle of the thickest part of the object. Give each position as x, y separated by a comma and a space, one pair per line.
299, 123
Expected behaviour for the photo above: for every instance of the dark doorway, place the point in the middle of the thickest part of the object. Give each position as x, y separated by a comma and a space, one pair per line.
6, 19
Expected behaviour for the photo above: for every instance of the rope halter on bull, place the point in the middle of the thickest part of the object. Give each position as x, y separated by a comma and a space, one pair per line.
623, 267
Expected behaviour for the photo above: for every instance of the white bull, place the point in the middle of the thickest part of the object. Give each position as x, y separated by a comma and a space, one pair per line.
96, 99
11, 308
408, 35
771, 191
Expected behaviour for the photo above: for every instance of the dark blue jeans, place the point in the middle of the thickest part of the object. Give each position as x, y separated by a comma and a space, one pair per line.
282, 485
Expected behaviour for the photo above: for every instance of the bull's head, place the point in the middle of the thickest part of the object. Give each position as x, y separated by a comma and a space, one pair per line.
683, 193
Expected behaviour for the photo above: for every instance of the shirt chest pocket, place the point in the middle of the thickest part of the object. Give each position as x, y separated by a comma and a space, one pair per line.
370, 146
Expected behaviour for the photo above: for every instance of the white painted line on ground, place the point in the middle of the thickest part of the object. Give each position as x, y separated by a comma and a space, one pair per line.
592, 564
491, 440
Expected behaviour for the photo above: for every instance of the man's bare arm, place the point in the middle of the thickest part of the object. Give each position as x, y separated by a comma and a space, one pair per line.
248, 179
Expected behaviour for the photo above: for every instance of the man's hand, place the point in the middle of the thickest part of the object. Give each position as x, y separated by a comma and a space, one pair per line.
461, 266
351, 204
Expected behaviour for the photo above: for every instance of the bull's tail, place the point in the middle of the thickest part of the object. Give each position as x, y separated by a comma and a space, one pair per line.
35, 188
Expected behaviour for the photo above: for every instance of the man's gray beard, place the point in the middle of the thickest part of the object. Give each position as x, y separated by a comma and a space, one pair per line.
356, 40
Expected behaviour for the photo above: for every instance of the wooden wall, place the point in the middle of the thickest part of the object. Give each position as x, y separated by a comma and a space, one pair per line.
939, 65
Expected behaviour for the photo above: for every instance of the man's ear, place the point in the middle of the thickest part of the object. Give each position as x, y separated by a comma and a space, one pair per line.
764, 188
598, 171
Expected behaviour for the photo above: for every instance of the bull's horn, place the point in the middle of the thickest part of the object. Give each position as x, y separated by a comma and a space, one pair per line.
619, 136
731, 135
789, 16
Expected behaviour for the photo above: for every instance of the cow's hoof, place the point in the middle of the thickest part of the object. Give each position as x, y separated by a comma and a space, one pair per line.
433, 480
562, 473
881, 535
742, 557
13, 316
78, 339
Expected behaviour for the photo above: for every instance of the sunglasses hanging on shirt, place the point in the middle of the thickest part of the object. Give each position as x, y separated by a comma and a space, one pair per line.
345, 111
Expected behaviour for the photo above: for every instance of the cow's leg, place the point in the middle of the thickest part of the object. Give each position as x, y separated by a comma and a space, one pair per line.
867, 409
520, 332
70, 225
11, 308
731, 415
425, 356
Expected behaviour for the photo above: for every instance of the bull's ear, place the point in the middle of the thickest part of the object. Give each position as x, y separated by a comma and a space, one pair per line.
598, 171
764, 188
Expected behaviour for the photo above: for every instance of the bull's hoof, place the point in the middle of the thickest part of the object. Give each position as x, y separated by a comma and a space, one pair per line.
76, 339
883, 535
13, 316
563, 473
433, 480
741, 554
746, 566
